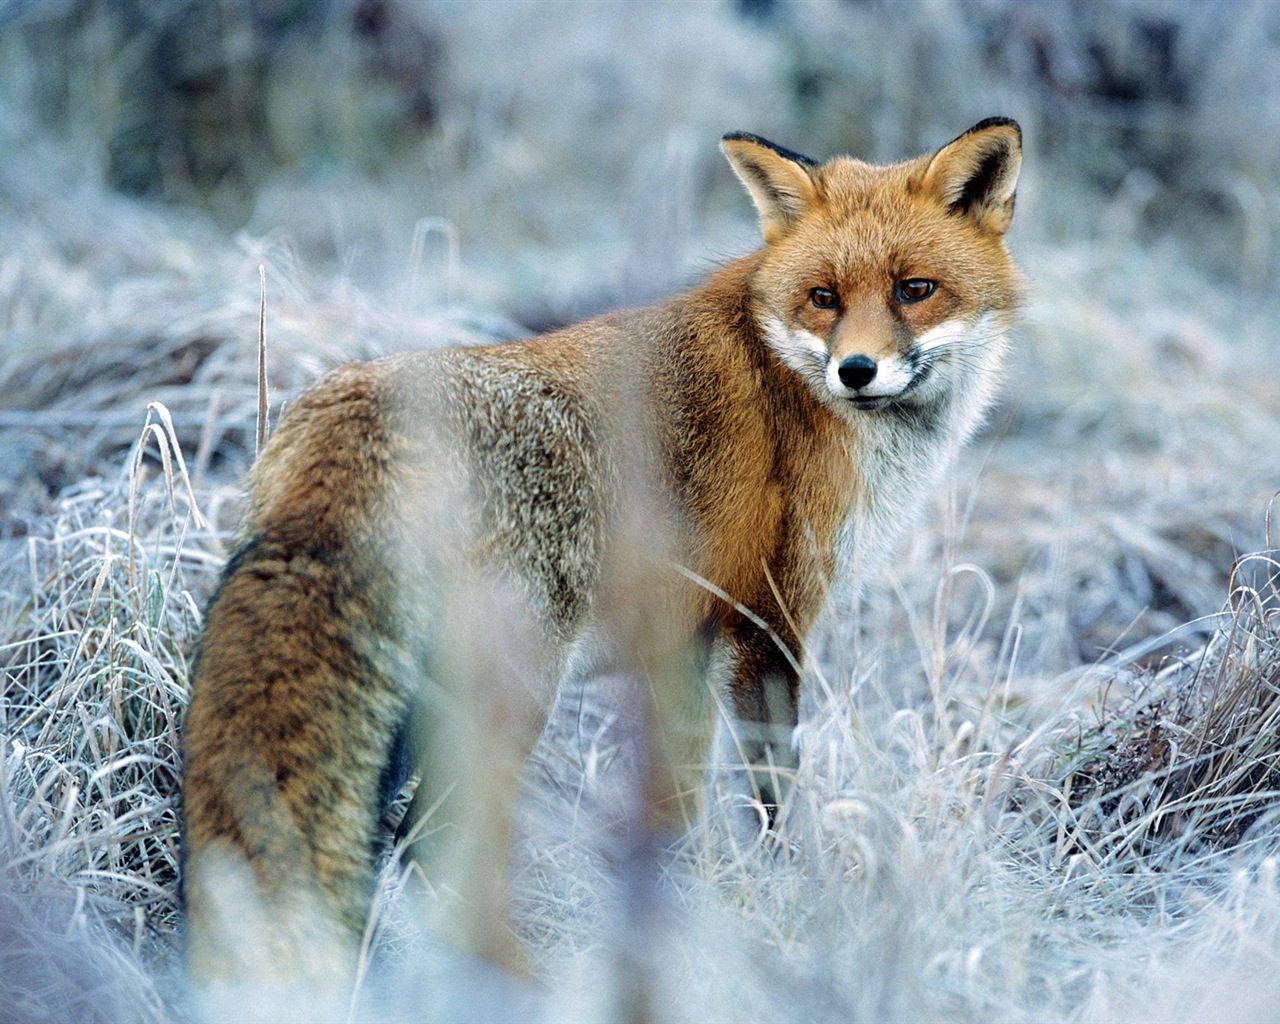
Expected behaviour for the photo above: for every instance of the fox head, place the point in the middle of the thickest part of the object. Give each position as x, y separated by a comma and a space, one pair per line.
886, 286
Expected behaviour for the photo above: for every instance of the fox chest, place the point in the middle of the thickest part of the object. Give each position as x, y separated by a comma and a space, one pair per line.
895, 466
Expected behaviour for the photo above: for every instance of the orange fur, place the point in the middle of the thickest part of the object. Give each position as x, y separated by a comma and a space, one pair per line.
768, 431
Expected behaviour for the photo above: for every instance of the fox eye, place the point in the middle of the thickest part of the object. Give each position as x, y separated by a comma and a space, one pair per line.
823, 298
914, 289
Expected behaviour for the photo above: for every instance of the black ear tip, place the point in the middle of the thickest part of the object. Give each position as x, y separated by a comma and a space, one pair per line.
996, 122
782, 151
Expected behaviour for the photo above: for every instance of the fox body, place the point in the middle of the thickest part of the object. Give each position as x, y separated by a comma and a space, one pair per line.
773, 428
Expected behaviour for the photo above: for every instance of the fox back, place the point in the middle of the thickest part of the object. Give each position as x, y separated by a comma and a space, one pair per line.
435, 540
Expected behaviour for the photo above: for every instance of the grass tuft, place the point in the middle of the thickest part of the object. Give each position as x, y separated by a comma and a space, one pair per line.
1193, 762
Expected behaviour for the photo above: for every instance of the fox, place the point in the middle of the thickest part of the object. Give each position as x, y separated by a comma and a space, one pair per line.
435, 541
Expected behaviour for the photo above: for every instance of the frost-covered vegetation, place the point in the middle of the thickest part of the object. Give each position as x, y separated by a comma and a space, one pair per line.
1039, 775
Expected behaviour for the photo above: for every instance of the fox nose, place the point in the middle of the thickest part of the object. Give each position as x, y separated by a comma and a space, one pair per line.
857, 371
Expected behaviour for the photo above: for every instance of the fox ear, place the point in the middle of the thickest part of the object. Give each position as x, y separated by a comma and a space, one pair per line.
976, 175
778, 180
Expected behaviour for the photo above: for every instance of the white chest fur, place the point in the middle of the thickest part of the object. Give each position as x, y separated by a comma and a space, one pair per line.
901, 455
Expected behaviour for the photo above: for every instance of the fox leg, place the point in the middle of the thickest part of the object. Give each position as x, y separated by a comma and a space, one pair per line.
679, 717
471, 743
763, 691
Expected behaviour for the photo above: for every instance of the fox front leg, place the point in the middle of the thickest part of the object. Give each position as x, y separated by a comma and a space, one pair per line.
763, 692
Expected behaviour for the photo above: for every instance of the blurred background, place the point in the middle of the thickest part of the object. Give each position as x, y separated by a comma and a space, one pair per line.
571, 146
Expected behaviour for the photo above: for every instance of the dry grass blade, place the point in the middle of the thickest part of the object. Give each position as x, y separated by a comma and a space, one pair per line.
263, 426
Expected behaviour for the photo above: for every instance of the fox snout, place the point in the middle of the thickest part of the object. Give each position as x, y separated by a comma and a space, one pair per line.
856, 372
870, 376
